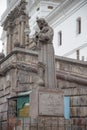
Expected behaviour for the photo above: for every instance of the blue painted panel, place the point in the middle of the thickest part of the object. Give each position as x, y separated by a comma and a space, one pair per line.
67, 107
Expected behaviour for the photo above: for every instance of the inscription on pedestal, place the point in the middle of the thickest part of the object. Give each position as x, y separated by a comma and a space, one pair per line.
51, 104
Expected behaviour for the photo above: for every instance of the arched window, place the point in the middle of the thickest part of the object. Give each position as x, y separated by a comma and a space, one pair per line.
78, 24
60, 38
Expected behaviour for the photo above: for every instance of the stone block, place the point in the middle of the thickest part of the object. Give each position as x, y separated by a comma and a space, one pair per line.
78, 111
46, 102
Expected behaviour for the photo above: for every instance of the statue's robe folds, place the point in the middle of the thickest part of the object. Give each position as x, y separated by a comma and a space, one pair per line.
46, 56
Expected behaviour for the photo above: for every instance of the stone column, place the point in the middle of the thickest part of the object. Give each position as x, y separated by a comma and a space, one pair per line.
19, 32
9, 41
7, 46
22, 33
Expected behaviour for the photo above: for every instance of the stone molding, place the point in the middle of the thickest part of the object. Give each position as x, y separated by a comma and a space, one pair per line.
67, 7
72, 61
63, 75
15, 24
11, 7
14, 14
18, 65
79, 79
60, 74
20, 51
34, 53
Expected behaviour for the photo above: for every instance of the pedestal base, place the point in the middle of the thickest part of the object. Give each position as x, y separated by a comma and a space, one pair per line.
46, 102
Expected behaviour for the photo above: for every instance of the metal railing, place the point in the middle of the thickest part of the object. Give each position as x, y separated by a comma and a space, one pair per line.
42, 124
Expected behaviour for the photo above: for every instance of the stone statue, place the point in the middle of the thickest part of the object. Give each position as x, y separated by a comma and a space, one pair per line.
46, 63
45, 36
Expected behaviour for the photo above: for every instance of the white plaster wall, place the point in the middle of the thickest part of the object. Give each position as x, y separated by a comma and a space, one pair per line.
4, 41
71, 41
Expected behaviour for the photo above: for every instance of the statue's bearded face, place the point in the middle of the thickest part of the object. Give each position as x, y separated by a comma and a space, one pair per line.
41, 23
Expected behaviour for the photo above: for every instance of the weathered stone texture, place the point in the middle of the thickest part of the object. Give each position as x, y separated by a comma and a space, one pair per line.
22, 75
72, 79
71, 66
15, 25
51, 103
46, 60
46, 102
26, 80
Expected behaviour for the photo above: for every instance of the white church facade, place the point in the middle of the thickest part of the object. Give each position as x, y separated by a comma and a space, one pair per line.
69, 22
68, 19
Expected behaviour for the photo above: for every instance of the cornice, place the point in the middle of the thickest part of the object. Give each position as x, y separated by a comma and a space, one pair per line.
43, 2
34, 53
18, 65
79, 79
13, 4
18, 11
19, 50
71, 61
63, 75
64, 10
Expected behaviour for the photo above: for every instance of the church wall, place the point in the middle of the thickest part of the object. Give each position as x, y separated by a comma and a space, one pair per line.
71, 40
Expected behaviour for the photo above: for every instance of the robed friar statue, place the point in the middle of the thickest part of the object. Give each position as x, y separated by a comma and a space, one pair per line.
46, 60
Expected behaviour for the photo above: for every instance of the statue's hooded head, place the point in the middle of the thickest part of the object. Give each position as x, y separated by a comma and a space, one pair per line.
41, 23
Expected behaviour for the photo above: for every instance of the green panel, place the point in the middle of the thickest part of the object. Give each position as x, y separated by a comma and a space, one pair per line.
21, 101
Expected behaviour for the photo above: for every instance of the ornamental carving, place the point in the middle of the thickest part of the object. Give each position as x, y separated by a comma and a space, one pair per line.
15, 25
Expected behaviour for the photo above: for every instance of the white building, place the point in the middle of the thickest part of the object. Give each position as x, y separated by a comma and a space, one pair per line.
69, 22
68, 19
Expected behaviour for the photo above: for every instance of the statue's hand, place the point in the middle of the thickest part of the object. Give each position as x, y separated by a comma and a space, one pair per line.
36, 35
43, 37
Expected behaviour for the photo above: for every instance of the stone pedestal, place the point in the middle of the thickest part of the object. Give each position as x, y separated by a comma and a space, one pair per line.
46, 57
46, 102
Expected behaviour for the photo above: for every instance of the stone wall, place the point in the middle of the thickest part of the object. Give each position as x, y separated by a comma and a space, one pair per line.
72, 79
18, 72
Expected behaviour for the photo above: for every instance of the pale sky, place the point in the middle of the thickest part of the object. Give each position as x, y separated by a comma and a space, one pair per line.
2, 9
